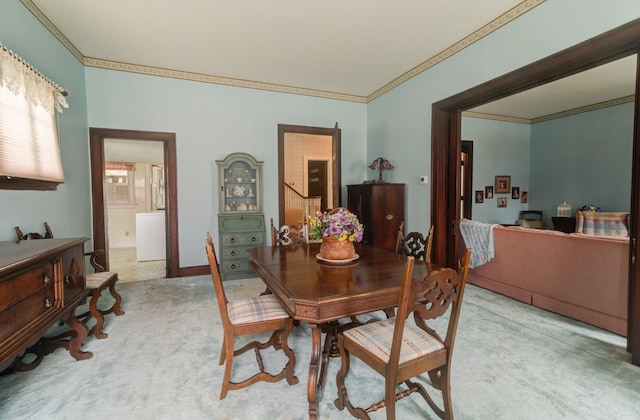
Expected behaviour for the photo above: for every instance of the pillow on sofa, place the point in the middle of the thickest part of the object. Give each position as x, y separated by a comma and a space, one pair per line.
602, 223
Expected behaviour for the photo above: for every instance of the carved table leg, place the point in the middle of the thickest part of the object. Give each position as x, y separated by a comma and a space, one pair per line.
312, 381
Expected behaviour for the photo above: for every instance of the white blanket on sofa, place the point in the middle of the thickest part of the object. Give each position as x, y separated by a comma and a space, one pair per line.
479, 237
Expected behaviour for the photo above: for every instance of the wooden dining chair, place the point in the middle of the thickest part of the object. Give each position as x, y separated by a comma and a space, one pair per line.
253, 315
399, 350
285, 235
415, 243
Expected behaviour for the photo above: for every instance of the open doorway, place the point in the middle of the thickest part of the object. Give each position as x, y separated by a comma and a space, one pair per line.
446, 145
164, 200
308, 159
135, 190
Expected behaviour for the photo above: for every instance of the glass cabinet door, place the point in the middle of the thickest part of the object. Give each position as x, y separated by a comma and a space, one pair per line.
240, 187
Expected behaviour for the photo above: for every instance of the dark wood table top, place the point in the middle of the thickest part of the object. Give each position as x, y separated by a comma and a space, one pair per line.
318, 292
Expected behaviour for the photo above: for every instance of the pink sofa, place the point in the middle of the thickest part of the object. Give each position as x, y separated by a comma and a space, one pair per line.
576, 275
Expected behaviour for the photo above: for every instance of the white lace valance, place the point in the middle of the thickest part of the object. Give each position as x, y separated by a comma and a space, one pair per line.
22, 79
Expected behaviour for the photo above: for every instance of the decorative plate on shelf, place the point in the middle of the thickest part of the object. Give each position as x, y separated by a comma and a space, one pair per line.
238, 191
337, 262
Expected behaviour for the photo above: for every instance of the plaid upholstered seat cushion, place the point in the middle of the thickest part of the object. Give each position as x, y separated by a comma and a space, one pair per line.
376, 338
260, 308
96, 279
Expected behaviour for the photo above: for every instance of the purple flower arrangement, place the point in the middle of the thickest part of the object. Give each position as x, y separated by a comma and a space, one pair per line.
338, 224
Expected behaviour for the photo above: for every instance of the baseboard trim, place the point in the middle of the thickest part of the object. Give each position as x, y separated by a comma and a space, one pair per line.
199, 270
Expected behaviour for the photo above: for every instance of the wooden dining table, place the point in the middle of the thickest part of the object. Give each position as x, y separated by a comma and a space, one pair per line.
322, 293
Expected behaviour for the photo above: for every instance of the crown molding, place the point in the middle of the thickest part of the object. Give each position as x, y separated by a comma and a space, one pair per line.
586, 108
198, 77
495, 117
492, 26
567, 113
53, 29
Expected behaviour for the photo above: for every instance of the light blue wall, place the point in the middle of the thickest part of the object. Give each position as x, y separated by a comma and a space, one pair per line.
68, 210
399, 122
499, 148
211, 121
583, 159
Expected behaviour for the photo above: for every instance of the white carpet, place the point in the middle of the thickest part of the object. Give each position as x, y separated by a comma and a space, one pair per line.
511, 361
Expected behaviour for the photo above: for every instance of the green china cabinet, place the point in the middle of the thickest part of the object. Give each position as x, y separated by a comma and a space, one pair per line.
240, 219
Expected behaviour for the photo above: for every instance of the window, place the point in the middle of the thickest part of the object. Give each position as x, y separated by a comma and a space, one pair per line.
119, 178
29, 147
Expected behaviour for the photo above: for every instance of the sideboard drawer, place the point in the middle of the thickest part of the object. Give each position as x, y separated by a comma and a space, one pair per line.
17, 288
29, 308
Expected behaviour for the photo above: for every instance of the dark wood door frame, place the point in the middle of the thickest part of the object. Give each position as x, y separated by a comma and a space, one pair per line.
99, 209
467, 147
335, 134
445, 147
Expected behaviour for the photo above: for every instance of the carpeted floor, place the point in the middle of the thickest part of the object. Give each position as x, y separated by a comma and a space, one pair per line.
512, 361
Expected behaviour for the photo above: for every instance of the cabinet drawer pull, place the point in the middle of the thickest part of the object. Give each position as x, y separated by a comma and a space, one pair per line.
233, 253
253, 239
233, 240
46, 279
389, 216
233, 266
47, 303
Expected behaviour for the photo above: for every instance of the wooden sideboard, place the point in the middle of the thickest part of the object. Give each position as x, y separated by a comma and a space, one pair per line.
41, 282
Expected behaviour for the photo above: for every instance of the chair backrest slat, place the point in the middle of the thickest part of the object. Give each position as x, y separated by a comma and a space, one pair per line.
414, 243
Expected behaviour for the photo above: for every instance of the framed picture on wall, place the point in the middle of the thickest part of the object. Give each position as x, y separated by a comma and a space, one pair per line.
479, 196
515, 193
488, 191
524, 197
503, 184
502, 201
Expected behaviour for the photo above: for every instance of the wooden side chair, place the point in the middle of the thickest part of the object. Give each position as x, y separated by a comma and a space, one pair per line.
254, 315
285, 235
96, 282
399, 350
415, 243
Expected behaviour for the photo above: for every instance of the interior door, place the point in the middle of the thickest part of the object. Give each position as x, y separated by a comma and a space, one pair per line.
317, 181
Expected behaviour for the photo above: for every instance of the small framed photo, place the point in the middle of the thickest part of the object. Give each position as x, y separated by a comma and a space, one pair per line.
515, 193
488, 191
503, 184
524, 197
502, 201
479, 196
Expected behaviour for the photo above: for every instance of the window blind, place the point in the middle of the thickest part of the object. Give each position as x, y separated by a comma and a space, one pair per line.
29, 145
